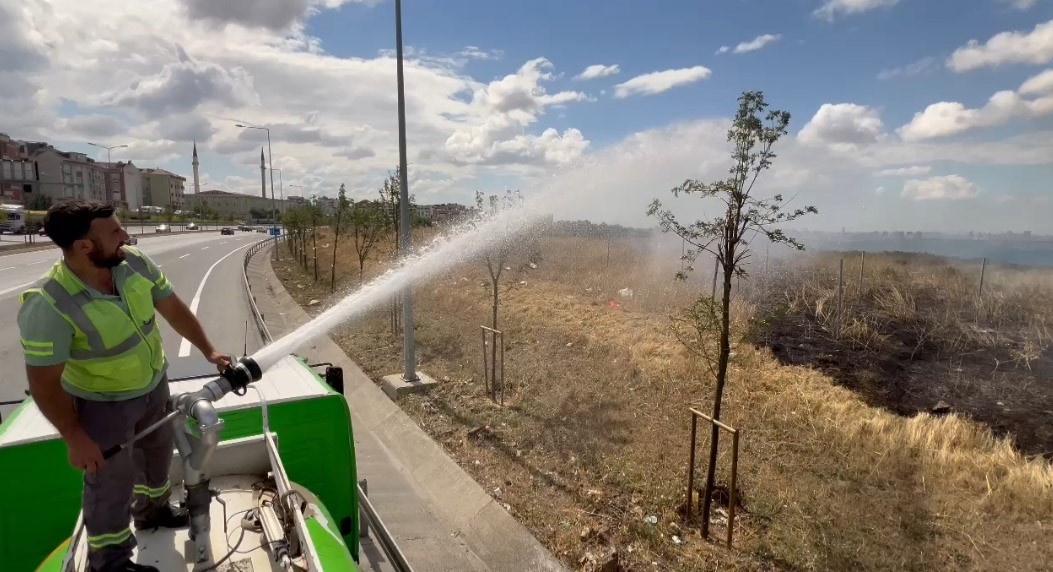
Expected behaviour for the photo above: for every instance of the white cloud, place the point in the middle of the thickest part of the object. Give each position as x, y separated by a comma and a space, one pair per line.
182, 85
1041, 84
832, 7
879, 191
757, 43
596, 71
504, 108
1022, 4
476, 53
150, 61
949, 187
723, 50
660, 81
924, 65
277, 15
845, 125
643, 166
912, 171
1017, 47
951, 117
95, 125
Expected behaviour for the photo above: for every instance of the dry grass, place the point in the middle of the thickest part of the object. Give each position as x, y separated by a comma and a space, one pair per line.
594, 434
916, 332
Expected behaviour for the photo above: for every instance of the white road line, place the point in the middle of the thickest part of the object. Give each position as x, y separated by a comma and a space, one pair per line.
37, 262
184, 256
8, 268
206, 248
184, 345
13, 288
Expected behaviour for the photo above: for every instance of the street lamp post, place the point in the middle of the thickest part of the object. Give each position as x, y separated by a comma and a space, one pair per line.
108, 148
270, 160
410, 366
281, 189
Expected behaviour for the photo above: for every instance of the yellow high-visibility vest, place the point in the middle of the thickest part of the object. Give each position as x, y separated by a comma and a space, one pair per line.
113, 353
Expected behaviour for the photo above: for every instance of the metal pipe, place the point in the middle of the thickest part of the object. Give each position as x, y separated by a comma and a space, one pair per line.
387, 542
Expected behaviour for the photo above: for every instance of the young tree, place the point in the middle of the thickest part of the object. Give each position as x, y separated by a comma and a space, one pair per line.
314, 214
391, 199
500, 255
343, 206
368, 222
753, 133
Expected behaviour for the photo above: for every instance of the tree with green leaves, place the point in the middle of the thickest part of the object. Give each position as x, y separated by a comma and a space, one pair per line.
391, 198
368, 223
38, 202
753, 133
343, 211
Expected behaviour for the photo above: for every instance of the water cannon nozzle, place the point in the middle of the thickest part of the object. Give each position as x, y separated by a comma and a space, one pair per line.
241, 373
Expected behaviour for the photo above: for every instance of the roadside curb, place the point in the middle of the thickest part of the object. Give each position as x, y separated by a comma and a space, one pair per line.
440, 516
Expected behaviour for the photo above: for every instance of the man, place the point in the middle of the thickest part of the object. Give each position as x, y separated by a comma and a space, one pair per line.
97, 371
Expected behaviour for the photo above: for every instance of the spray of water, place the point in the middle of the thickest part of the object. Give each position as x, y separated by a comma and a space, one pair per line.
438, 257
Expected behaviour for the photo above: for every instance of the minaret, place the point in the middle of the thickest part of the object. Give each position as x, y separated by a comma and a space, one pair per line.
197, 181
263, 174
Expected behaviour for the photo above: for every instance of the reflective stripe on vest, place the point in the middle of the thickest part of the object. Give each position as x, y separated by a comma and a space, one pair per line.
113, 352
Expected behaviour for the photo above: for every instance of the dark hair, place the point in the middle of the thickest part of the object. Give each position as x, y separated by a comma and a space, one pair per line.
70, 221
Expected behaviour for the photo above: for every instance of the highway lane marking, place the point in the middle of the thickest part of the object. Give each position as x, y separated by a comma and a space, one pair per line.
37, 262
184, 256
206, 248
13, 288
8, 268
184, 345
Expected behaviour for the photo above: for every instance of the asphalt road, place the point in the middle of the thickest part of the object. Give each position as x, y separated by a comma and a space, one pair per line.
204, 266
133, 228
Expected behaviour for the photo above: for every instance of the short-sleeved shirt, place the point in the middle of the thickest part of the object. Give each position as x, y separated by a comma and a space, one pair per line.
47, 336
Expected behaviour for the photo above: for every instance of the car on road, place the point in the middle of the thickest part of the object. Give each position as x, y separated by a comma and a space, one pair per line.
163, 228
261, 229
226, 230
132, 241
192, 226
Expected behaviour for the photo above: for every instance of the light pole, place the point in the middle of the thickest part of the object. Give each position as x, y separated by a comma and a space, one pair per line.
409, 373
281, 188
108, 148
270, 160
300, 186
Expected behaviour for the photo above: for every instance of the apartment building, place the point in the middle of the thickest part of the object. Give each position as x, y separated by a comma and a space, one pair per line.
161, 188
124, 184
234, 205
66, 175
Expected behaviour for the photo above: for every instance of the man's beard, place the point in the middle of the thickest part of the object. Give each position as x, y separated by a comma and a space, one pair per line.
102, 261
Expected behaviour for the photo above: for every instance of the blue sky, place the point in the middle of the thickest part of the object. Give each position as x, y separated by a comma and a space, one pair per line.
494, 99
813, 62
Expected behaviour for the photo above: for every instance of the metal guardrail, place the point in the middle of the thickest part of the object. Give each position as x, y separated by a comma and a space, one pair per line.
265, 332
368, 515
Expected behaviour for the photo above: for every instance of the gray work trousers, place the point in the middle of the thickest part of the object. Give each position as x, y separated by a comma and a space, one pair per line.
134, 482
